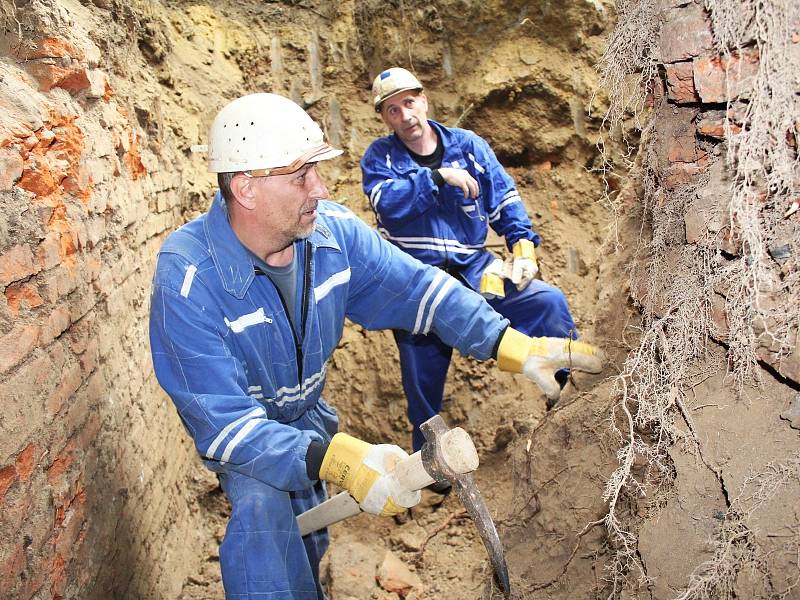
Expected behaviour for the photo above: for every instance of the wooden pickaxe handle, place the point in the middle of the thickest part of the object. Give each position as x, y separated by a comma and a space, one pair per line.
458, 452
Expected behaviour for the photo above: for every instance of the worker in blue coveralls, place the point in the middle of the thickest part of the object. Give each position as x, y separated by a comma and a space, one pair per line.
248, 305
435, 191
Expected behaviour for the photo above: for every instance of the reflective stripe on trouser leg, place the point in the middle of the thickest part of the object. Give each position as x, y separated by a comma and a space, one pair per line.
424, 360
263, 555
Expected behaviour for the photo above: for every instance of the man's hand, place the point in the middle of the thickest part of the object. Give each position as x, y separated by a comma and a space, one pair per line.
363, 470
524, 267
461, 179
492, 280
539, 358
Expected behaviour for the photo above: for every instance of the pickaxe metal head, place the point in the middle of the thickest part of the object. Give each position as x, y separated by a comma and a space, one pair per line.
467, 491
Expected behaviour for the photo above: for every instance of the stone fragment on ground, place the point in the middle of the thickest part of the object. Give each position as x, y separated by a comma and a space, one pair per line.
351, 570
394, 576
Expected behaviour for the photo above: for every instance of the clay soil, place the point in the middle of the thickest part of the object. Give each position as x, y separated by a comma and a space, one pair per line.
541, 472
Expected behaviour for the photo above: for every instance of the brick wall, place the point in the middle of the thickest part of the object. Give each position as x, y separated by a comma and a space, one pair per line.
700, 98
88, 447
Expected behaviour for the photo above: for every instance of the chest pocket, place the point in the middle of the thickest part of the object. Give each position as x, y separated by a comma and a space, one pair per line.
470, 207
255, 339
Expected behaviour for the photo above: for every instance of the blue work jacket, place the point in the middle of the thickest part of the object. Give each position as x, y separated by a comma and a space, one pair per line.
440, 226
246, 385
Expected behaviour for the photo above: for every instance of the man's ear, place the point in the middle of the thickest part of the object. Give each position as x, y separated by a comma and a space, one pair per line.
243, 191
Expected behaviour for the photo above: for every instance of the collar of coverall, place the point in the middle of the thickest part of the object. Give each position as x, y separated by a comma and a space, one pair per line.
232, 260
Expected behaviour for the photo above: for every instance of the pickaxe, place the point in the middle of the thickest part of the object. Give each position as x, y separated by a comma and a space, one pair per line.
447, 456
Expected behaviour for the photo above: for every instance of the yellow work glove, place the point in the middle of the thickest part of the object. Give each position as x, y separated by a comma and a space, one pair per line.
364, 470
524, 267
539, 358
492, 280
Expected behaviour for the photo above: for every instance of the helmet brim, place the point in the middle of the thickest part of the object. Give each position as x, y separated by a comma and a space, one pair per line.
379, 104
316, 154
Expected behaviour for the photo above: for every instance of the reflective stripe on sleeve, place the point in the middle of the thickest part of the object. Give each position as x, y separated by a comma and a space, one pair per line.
238, 438
510, 198
187, 281
478, 168
437, 280
439, 297
256, 412
333, 281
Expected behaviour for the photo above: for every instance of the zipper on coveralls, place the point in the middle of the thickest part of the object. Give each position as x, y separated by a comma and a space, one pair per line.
303, 313
298, 341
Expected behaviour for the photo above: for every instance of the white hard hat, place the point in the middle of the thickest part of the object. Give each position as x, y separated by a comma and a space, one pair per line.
265, 134
390, 82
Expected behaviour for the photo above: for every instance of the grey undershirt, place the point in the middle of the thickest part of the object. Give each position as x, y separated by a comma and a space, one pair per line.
285, 279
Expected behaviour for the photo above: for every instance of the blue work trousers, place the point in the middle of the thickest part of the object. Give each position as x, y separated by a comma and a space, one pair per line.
538, 310
263, 556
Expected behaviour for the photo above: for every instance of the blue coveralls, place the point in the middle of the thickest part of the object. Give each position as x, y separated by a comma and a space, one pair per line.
249, 392
442, 227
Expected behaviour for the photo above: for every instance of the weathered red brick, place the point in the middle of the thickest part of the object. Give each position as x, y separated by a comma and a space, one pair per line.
686, 33
683, 146
80, 185
678, 174
79, 335
10, 167
29, 143
71, 380
108, 91
48, 252
22, 296
8, 475
90, 358
729, 244
16, 264
40, 178
11, 567
394, 576
680, 83
71, 525
61, 464
26, 461
16, 345
51, 47
59, 282
56, 156
48, 75
57, 323
69, 144
712, 124
133, 157
58, 580
76, 81
719, 79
